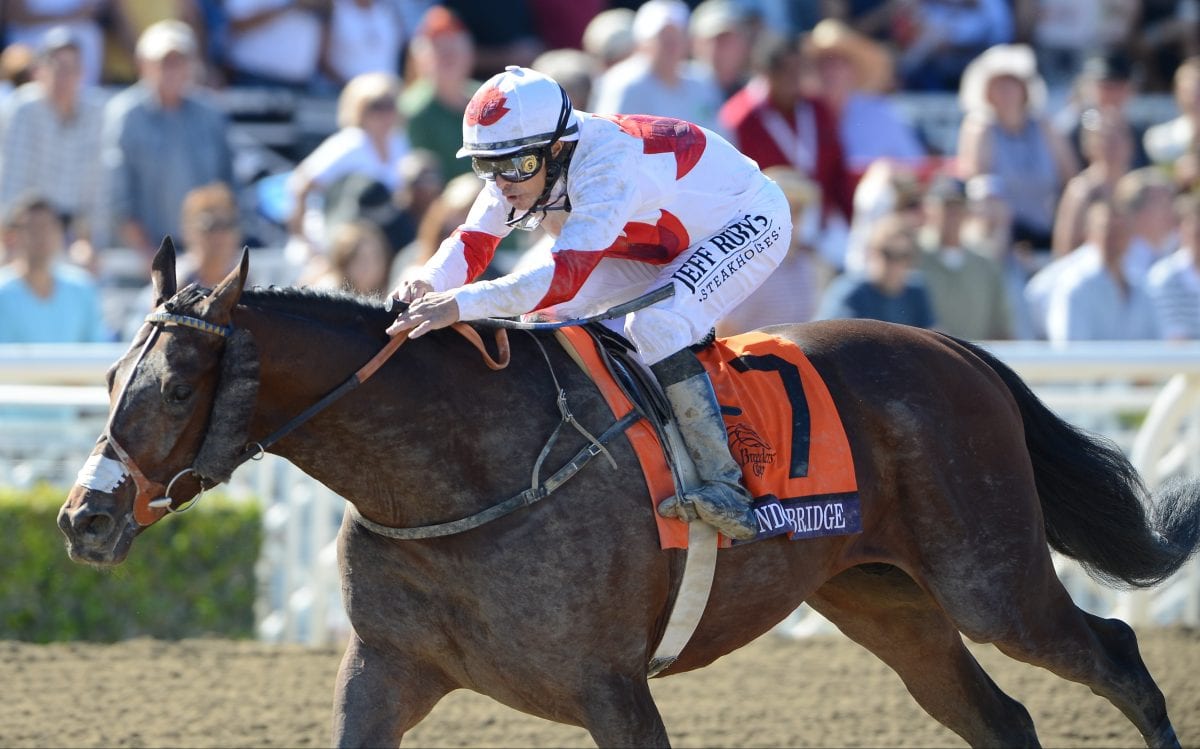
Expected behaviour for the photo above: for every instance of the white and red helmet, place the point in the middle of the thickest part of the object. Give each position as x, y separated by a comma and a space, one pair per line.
517, 110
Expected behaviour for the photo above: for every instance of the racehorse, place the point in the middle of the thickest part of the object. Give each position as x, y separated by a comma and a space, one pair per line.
965, 481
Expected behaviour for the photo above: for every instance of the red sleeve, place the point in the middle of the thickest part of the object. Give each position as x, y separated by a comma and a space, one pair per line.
478, 249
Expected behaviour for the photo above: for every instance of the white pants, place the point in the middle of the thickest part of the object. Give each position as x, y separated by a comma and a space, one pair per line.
711, 277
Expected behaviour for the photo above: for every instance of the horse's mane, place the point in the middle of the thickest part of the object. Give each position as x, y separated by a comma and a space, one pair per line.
334, 308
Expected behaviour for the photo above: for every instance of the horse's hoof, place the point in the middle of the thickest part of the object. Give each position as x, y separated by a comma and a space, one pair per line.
1164, 737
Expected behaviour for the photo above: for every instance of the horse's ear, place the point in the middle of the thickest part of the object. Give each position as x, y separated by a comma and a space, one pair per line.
162, 271
218, 307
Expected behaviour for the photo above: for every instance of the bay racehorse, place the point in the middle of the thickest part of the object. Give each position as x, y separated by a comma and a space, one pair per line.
966, 480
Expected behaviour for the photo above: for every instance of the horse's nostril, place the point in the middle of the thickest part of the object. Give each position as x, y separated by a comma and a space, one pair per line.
94, 526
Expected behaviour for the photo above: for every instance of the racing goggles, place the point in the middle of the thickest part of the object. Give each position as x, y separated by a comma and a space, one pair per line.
515, 168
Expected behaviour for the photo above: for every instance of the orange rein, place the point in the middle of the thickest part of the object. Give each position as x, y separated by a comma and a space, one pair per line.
463, 329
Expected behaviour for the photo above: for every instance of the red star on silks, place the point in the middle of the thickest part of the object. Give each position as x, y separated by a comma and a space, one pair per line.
656, 244
665, 135
486, 107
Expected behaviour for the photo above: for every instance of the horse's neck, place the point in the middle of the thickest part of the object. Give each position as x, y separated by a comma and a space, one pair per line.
431, 436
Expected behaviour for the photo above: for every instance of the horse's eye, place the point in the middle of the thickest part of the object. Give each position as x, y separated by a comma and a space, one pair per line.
179, 393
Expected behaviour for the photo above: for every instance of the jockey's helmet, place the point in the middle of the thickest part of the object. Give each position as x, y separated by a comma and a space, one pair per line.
517, 110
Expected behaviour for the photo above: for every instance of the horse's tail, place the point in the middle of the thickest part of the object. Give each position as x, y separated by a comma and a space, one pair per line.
1096, 509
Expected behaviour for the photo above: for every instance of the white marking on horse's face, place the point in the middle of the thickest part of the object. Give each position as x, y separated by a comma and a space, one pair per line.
101, 474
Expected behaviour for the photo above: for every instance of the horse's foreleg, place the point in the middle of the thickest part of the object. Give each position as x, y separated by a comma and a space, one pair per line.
619, 711
378, 698
895, 619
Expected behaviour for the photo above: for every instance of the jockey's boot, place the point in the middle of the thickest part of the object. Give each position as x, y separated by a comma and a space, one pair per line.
721, 501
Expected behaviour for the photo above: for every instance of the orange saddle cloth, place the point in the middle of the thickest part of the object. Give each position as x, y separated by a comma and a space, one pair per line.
784, 431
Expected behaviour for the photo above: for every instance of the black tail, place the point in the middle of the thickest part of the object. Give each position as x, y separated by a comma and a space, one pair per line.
1097, 510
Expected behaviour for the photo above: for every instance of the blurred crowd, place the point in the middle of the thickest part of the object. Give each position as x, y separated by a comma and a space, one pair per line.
1055, 214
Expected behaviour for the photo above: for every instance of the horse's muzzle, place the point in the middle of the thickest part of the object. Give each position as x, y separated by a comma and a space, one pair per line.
95, 533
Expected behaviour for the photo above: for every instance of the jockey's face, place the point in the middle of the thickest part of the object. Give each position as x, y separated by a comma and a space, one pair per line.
522, 195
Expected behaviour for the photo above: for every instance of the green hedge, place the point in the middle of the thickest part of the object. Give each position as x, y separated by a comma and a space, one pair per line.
186, 576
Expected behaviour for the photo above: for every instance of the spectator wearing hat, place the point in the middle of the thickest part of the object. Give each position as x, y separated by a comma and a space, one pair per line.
720, 31
26, 21
1174, 282
160, 140
441, 56
368, 143
608, 37
51, 140
1175, 144
774, 122
1105, 84
853, 74
1004, 133
275, 43
966, 289
658, 79
1096, 300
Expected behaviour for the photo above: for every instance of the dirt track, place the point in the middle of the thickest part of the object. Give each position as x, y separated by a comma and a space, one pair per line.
776, 692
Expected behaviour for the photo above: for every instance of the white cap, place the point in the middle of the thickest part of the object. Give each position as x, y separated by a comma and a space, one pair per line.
163, 37
656, 15
515, 110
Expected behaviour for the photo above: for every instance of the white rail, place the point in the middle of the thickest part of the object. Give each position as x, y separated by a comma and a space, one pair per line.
1146, 396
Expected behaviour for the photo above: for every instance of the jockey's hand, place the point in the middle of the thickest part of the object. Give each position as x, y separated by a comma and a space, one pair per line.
430, 312
411, 290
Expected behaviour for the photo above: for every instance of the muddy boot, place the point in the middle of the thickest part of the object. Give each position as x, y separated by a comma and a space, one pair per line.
721, 501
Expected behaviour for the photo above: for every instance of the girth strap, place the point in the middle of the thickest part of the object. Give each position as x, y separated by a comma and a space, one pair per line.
524, 499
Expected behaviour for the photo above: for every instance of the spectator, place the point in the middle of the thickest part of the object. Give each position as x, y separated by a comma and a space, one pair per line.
127, 19
888, 188
574, 71
608, 37
657, 79
721, 41
987, 230
362, 36
41, 299
1105, 84
853, 73
1004, 133
51, 139
26, 21
1174, 282
212, 244
1064, 32
1095, 300
276, 43
1175, 143
16, 68
562, 25
368, 143
1146, 195
1166, 37
773, 122
504, 33
159, 141
790, 293
433, 103
966, 289
358, 260
445, 215
943, 36
1108, 147
888, 290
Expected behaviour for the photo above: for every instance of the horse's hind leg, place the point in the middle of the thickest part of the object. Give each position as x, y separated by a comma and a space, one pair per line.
1052, 632
882, 609
1036, 621
378, 697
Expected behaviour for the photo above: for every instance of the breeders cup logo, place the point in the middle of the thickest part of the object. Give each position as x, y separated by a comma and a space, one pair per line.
718, 258
750, 449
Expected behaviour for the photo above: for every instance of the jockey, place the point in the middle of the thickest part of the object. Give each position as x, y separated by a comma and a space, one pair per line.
634, 203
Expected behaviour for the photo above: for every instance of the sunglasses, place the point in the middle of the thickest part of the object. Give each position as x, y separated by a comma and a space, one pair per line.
516, 168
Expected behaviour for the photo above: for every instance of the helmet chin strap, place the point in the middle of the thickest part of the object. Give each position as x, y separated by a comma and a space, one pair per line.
556, 172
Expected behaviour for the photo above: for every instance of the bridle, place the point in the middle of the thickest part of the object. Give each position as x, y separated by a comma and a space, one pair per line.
153, 500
